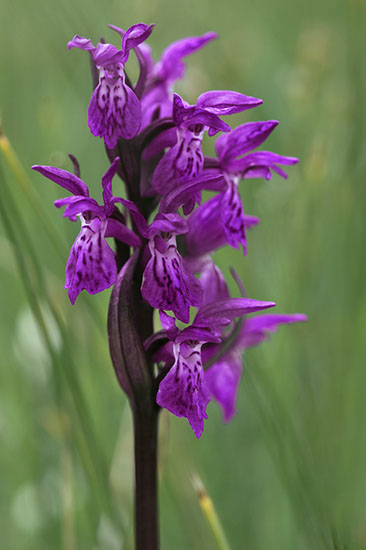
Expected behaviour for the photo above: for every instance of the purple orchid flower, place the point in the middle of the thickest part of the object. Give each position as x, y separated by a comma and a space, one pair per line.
158, 95
184, 391
114, 110
184, 161
206, 230
167, 284
223, 377
236, 164
232, 165
91, 263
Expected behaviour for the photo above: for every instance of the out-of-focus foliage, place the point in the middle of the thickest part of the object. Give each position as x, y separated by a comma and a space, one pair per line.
288, 472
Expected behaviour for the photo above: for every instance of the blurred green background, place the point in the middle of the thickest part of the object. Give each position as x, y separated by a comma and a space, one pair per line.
289, 471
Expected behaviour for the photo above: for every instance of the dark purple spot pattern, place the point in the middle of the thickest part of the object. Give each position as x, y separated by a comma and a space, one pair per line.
184, 390
167, 284
232, 216
114, 110
91, 264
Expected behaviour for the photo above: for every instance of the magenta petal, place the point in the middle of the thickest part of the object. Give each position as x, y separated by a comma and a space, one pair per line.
107, 186
165, 175
243, 139
232, 217
183, 391
77, 207
162, 141
220, 313
114, 111
223, 381
226, 102
136, 214
258, 164
166, 283
169, 325
187, 116
168, 223
257, 329
181, 196
106, 54
213, 283
135, 35
117, 230
171, 66
203, 335
183, 162
91, 264
65, 179
81, 43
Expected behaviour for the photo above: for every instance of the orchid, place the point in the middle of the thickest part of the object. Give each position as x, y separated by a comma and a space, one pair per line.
184, 161
114, 110
91, 264
235, 163
184, 390
161, 76
163, 243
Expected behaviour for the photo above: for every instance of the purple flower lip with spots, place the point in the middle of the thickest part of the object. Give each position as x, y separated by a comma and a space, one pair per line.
184, 390
114, 110
91, 264
163, 229
184, 161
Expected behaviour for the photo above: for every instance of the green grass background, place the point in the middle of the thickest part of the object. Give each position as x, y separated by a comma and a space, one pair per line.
289, 471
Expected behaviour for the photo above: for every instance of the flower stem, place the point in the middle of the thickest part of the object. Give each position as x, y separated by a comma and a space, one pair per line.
146, 487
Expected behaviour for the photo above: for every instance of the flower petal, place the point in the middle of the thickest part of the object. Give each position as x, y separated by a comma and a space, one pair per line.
211, 180
226, 102
114, 111
166, 283
185, 115
81, 43
81, 206
106, 54
171, 67
91, 264
256, 329
183, 162
260, 161
107, 186
134, 36
119, 231
213, 283
169, 325
223, 381
206, 228
232, 217
220, 313
168, 223
65, 179
183, 391
243, 139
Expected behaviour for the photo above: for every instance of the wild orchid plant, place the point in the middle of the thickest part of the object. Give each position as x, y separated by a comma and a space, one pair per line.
164, 237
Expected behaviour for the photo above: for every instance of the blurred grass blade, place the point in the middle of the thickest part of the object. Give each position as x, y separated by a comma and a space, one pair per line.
23, 181
64, 368
209, 511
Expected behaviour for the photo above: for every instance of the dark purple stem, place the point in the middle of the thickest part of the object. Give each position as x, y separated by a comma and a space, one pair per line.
146, 482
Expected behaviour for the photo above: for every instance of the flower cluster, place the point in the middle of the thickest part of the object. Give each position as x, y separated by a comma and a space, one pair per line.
153, 139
